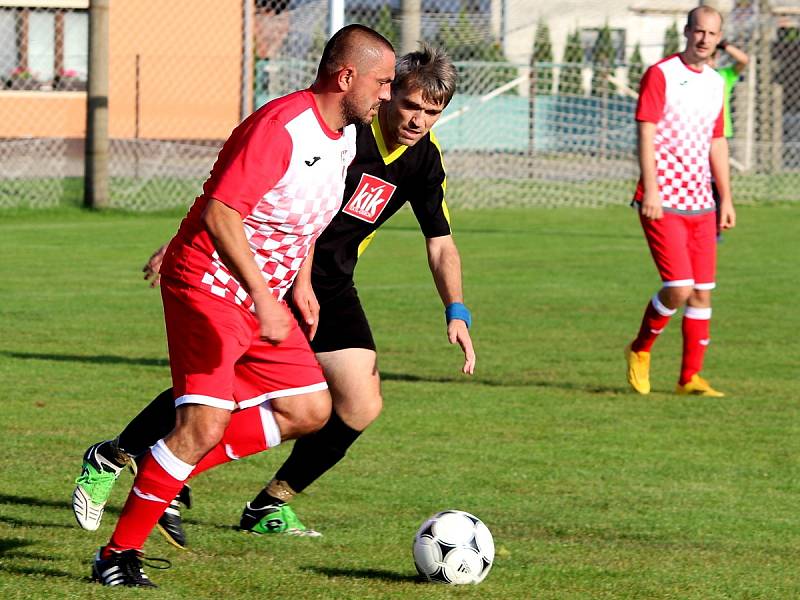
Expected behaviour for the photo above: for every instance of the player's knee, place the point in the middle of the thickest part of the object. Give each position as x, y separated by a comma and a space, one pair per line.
316, 413
675, 297
373, 409
700, 298
361, 413
201, 431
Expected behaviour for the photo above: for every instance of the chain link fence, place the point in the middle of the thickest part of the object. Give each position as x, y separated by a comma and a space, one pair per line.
542, 116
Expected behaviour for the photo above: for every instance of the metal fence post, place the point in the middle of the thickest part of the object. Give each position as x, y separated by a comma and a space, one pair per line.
96, 165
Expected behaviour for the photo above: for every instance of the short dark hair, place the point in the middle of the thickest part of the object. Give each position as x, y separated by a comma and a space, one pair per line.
350, 44
430, 70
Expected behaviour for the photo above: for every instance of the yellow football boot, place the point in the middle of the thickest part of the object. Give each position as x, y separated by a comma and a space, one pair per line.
638, 370
697, 386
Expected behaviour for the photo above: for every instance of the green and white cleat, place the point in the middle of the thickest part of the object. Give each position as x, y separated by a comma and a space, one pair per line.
274, 518
99, 473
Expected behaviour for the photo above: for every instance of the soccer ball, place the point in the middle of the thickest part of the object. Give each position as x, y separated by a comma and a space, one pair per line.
454, 547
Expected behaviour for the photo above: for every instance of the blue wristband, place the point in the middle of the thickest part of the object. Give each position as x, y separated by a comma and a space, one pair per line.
456, 310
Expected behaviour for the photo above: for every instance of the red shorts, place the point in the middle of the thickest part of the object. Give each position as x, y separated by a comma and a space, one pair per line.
684, 248
217, 357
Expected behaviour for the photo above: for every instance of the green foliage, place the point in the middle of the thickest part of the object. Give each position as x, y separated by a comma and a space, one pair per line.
386, 25
603, 63
671, 40
635, 68
590, 491
470, 46
542, 61
570, 80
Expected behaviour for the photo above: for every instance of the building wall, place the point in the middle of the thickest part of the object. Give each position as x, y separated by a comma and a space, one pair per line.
190, 70
644, 21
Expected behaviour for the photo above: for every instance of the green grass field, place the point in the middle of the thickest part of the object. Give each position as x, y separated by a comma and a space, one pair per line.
590, 491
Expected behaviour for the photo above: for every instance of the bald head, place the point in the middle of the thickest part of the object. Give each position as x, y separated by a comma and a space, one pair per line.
703, 10
355, 45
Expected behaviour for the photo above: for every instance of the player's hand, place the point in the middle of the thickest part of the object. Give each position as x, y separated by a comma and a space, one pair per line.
458, 333
727, 216
305, 301
152, 269
651, 206
274, 320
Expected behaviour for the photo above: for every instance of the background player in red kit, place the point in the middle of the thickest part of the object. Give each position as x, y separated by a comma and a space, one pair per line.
681, 144
233, 343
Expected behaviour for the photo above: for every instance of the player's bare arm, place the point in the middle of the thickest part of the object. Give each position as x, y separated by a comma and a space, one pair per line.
152, 268
651, 201
225, 227
445, 264
740, 57
720, 169
304, 298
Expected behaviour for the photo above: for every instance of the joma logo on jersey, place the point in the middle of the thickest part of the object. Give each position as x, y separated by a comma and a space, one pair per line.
370, 198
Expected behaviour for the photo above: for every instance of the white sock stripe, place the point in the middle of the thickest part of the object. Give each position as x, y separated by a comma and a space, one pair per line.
660, 308
147, 496
271, 431
171, 463
230, 453
699, 314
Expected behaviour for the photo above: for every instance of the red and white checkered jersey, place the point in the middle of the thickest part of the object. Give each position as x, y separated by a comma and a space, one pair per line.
283, 169
686, 106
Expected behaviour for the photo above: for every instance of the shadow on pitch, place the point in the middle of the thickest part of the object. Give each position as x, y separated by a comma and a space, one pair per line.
10, 551
564, 385
6, 499
363, 574
99, 359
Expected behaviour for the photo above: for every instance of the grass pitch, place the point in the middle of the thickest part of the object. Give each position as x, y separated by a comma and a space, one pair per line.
590, 491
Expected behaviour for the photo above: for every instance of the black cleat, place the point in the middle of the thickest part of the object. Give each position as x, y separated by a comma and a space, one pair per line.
170, 524
121, 568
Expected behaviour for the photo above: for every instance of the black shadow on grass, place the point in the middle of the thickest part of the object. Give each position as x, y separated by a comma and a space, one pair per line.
8, 550
41, 503
7, 546
364, 574
591, 389
561, 233
101, 359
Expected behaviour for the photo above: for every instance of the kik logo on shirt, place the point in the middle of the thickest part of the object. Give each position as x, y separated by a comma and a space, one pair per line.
370, 198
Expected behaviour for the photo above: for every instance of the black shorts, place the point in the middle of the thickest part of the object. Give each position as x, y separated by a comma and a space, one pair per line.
342, 324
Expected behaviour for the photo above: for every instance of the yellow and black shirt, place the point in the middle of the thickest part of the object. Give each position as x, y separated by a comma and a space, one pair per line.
378, 184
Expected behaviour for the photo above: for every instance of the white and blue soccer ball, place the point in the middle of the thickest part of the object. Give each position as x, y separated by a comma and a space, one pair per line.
453, 547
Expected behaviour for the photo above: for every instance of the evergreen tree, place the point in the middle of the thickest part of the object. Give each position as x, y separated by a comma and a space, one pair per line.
635, 68
570, 79
671, 40
542, 53
386, 26
318, 41
468, 45
603, 63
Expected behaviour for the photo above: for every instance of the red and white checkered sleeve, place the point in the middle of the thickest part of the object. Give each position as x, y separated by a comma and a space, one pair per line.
652, 96
252, 161
719, 125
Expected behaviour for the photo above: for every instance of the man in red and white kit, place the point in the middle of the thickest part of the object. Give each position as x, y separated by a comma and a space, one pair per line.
681, 145
233, 344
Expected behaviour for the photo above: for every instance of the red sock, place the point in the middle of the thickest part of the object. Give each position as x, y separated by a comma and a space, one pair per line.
656, 317
244, 436
152, 491
696, 337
